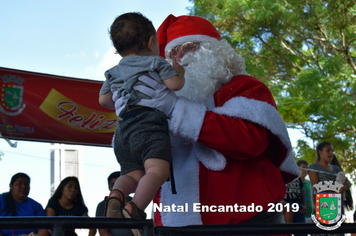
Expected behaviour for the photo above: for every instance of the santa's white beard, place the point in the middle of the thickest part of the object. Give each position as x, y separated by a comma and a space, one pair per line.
205, 72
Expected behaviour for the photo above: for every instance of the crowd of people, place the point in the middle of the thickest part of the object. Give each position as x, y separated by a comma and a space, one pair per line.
302, 191
218, 141
67, 200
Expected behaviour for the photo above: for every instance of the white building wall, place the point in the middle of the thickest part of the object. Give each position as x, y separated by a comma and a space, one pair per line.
66, 160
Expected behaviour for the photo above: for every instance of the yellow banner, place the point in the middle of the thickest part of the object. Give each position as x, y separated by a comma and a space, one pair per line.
76, 116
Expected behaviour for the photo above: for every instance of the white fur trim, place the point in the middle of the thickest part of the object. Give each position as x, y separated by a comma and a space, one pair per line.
189, 38
187, 156
210, 158
266, 115
187, 119
186, 170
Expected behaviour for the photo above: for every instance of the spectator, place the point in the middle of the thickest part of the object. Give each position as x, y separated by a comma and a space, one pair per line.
346, 195
354, 220
307, 188
101, 208
68, 200
328, 168
295, 195
17, 203
287, 213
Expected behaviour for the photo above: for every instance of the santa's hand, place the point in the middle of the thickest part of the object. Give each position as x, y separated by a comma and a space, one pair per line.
161, 97
118, 100
340, 178
186, 116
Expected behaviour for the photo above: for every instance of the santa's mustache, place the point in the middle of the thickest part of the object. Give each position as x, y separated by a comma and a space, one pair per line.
204, 74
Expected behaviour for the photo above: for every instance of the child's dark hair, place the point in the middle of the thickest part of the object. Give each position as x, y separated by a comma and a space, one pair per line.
130, 32
300, 162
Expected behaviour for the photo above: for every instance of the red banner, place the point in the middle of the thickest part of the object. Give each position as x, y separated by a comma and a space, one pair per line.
49, 108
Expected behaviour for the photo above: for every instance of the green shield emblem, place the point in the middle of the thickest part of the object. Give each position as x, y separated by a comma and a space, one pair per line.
13, 96
12, 93
328, 208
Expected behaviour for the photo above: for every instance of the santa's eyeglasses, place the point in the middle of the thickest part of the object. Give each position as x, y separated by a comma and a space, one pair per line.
184, 48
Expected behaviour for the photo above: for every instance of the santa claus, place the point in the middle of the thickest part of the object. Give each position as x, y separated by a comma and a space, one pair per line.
231, 151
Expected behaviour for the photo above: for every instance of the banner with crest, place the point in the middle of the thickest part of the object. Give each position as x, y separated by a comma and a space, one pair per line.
56, 109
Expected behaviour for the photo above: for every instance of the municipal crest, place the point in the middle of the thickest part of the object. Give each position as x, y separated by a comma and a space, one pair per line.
328, 212
12, 95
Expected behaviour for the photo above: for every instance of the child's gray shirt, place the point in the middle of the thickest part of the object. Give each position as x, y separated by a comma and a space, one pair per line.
124, 76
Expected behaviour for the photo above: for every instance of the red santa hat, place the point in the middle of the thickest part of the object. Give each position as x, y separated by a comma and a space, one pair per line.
178, 30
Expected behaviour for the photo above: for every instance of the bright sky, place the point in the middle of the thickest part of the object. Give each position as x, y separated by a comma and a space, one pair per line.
67, 38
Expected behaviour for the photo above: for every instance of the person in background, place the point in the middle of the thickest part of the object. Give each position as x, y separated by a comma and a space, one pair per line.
68, 200
287, 214
354, 220
295, 195
347, 196
17, 203
307, 188
328, 168
101, 208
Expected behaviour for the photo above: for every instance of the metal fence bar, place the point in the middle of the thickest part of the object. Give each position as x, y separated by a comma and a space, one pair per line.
58, 224
252, 229
57, 230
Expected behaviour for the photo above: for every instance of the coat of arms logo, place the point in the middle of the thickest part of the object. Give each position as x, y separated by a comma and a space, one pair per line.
328, 213
12, 95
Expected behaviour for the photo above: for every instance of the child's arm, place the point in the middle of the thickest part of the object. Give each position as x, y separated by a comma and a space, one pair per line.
106, 100
176, 82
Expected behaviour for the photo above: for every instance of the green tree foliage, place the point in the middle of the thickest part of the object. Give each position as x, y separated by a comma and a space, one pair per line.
304, 50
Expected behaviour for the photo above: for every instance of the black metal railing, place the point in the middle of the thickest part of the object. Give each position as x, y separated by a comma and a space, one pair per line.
58, 224
252, 229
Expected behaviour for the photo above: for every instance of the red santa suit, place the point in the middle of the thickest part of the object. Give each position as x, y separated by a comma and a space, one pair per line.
234, 152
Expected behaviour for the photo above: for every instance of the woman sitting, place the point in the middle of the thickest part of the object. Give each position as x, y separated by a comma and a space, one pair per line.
17, 203
68, 200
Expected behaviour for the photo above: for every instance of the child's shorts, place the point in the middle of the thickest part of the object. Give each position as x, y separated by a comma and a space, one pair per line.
143, 133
